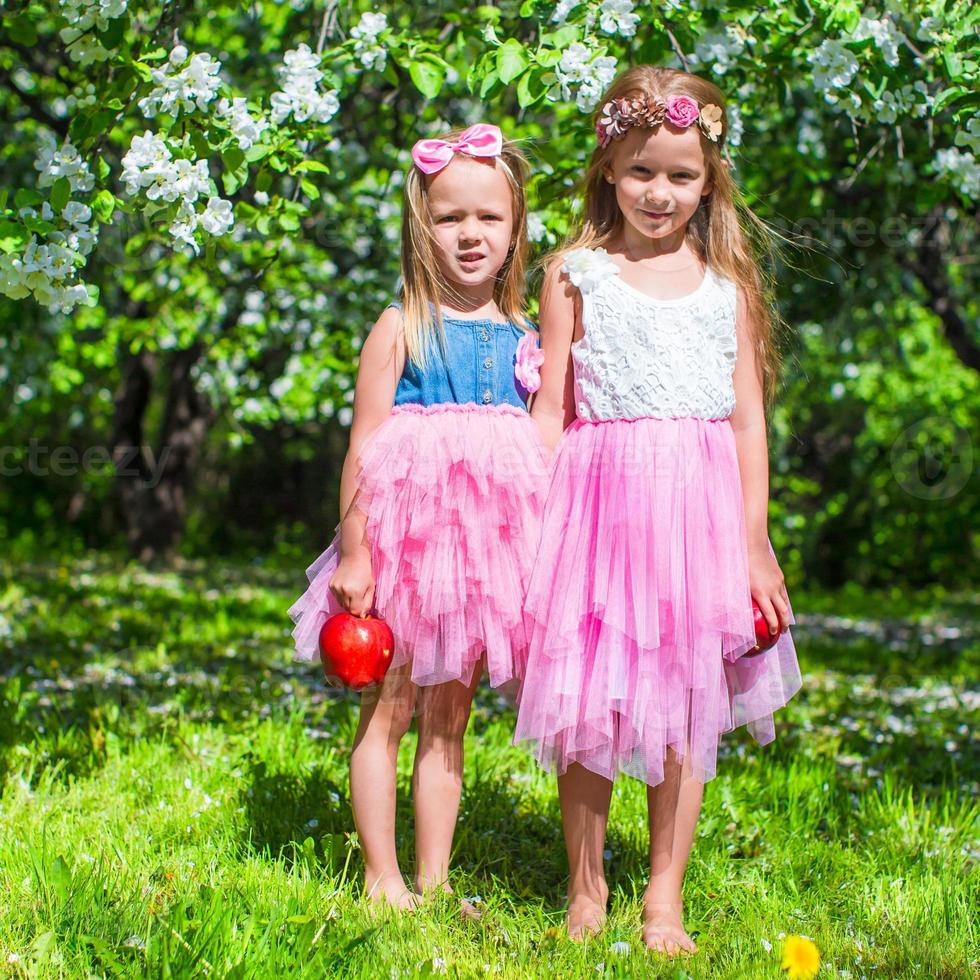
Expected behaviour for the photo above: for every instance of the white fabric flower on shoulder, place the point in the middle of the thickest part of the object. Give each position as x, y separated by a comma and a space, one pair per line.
587, 267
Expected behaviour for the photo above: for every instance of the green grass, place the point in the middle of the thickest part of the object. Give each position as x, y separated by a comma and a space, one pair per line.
173, 802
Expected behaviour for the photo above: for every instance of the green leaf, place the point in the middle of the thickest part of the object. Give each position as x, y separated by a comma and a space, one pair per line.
235, 171
258, 151
144, 71
27, 198
112, 36
22, 30
78, 128
103, 205
489, 81
60, 878
527, 8
60, 194
310, 189
12, 235
101, 121
561, 38
201, 146
233, 158
288, 221
428, 77
946, 96
511, 60
526, 95
954, 64
39, 226
547, 57
315, 165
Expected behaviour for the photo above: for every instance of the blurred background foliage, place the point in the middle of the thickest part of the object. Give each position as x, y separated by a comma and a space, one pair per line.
216, 366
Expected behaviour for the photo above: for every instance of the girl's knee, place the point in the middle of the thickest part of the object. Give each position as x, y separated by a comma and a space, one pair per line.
443, 722
386, 720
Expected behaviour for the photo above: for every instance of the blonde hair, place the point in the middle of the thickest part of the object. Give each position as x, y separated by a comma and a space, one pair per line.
723, 232
422, 281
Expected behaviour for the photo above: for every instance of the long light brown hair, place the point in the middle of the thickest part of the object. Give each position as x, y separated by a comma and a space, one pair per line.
423, 282
724, 232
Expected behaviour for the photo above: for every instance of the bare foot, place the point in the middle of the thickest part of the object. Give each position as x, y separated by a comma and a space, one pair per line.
663, 930
586, 915
390, 889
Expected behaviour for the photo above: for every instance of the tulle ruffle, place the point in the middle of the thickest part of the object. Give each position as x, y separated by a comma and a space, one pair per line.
453, 496
639, 605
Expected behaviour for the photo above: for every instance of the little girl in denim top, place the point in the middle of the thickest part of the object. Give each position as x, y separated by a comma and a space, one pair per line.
441, 493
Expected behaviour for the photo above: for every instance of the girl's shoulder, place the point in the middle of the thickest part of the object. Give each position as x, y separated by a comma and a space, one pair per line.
587, 267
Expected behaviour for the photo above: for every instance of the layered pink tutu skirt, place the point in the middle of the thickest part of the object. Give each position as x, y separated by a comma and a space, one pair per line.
453, 496
639, 606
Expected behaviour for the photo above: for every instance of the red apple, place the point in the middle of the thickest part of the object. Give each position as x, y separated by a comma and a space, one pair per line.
356, 651
764, 640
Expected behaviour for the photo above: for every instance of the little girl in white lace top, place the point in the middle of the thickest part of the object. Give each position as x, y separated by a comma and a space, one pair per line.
656, 332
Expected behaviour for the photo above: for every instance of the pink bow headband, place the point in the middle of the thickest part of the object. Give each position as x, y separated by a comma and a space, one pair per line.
481, 140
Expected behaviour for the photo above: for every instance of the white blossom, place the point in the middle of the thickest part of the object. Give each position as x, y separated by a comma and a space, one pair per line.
247, 129
928, 28
617, 17
536, 229
47, 268
834, 66
83, 48
562, 9
84, 14
962, 170
970, 135
909, 100
367, 49
299, 96
579, 66
809, 136
217, 218
189, 88
719, 48
886, 35
150, 168
53, 162
735, 125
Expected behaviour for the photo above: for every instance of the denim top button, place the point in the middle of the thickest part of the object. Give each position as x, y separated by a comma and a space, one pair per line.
477, 366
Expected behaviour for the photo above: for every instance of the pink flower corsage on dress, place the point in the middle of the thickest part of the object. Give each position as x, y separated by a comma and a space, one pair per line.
527, 363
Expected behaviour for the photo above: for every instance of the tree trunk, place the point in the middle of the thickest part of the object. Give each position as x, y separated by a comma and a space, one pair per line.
154, 481
928, 263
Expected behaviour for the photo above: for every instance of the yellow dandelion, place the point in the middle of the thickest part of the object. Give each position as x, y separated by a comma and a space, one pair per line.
801, 958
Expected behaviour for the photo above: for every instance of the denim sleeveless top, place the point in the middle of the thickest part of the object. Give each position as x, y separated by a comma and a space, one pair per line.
476, 366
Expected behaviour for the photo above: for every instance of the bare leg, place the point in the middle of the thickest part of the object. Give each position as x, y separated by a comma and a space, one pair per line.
675, 805
437, 780
584, 798
372, 786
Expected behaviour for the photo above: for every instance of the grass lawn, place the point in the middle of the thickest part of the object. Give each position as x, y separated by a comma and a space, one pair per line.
173, 802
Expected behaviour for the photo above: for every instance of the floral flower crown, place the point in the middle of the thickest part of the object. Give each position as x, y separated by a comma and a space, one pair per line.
679, 110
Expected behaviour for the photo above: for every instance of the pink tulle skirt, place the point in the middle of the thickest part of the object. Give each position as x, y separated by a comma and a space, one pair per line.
639, 608
453, 497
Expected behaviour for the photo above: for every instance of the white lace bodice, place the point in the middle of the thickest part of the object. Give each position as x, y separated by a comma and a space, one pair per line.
643, 357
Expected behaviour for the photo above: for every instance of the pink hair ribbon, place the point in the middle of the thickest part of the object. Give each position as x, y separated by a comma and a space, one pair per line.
481, 140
